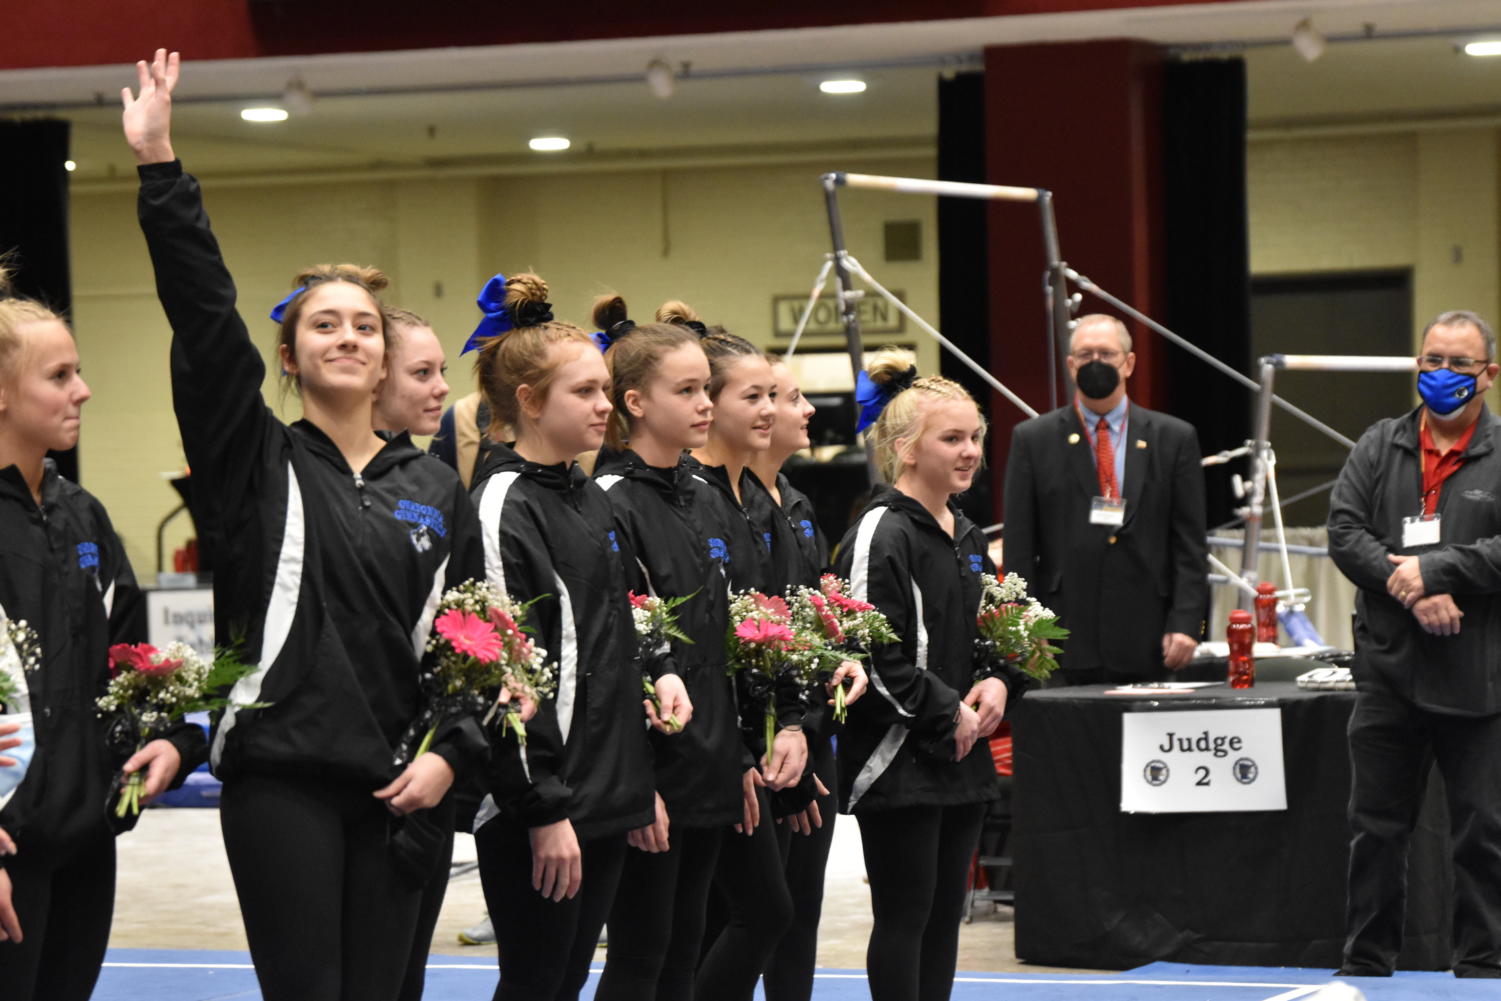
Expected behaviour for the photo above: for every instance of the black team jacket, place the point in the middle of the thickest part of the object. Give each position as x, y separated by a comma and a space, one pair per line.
63, 571
328, 579
897, 748
550, 538
663, 515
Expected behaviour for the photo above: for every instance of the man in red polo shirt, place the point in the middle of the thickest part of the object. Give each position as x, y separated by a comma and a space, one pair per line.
1415, 523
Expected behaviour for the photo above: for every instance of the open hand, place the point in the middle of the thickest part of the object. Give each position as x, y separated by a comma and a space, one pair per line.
1438, 614
148, 115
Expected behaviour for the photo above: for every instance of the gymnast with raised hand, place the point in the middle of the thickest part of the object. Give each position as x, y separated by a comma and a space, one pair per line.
338, 544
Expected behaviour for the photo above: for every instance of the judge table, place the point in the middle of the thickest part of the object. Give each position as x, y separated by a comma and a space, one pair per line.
1103, 889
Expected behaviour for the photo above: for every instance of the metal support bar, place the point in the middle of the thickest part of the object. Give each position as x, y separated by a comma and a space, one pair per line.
952, 189
847, 299
1204, 356
1259, 474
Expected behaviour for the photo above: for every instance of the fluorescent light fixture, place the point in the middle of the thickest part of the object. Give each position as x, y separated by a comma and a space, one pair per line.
1485, 47
549, 144
264, 114
70, 165
844, 86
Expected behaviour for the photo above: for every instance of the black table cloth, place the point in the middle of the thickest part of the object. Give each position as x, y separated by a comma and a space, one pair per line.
1097, 888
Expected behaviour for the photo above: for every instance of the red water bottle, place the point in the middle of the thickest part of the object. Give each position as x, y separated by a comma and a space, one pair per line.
1266, 612
1241, 633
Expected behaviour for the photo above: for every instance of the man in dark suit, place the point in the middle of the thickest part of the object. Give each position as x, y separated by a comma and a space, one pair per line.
1105, 519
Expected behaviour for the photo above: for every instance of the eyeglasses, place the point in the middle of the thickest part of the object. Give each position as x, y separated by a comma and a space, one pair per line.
1464, 366
1109, 356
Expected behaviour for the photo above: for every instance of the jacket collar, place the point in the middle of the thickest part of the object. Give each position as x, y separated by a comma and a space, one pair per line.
398, 449
561, 477
887, 495
1487, 424
13, 485
626, 463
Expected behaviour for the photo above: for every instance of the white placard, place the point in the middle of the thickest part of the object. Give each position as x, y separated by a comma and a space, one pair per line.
1214, 761
182, 616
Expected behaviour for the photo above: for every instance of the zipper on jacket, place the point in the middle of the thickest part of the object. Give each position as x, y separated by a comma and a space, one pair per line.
359, 485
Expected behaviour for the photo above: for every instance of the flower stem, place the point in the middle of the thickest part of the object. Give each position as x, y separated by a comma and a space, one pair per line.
513, 722
839, 710
427, 743
771, 731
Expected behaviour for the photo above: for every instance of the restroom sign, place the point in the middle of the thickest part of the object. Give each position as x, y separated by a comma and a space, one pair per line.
1213, 761
876, 314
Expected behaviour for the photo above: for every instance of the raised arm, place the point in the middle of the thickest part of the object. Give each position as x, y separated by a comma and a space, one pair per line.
216, 370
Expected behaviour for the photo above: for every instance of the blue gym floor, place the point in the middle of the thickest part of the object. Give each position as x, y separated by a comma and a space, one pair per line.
187, 975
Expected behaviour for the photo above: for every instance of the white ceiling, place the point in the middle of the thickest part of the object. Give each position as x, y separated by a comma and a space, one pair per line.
747, 94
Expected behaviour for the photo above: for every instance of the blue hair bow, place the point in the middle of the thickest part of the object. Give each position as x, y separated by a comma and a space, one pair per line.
874, 398
280, 309
498, 319
604, 338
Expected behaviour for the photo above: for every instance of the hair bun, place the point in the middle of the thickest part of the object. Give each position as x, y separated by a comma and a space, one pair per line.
892, 369
608, 311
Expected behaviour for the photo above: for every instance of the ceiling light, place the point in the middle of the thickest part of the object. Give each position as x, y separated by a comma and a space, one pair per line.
264, 114
70, 165
1308, 40
1487, 47
659, 78
549, 144
846, 86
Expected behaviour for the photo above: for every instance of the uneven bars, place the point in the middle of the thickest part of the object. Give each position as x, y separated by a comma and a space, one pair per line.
953, 189
1342, 363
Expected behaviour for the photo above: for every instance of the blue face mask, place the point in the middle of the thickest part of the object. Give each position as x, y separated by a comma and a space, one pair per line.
1445, 391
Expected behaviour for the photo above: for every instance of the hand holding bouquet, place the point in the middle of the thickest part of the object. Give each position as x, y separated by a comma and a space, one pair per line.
656, 627
1016, 627
483, 658
765, 648
150, 690
846, 627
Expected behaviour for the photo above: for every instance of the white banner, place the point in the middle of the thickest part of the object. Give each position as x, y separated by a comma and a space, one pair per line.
1211, 761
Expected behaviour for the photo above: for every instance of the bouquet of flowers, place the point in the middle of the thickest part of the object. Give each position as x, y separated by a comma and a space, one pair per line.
151, 689
765, 648
844, 626
656, 626
1016, 627
20, 658
480, 645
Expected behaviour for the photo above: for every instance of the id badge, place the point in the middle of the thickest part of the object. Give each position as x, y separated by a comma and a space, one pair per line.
1107, 511
1420, 530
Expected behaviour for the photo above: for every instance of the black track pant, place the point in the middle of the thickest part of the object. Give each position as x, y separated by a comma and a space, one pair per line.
789, 975
657, 922
65, 907
432, 904
751, 887
327, 915
544, 947
918, 860
1392, 745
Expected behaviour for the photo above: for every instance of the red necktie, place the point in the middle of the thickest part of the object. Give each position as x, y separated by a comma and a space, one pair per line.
1104, 459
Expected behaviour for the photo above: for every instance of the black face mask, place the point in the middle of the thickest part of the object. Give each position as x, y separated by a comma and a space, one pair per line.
1096, 379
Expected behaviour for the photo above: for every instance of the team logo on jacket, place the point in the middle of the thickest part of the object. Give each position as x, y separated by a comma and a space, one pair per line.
88, 557
807, 527
718, 550
425, 521
976, 563
766, 538
614, 543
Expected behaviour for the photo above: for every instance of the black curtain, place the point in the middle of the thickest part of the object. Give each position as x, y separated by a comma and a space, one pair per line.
34, 221
1208, 261
963, 268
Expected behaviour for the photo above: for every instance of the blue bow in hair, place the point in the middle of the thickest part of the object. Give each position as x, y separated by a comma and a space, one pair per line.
498, 319
604, 338
280, 309
873, 398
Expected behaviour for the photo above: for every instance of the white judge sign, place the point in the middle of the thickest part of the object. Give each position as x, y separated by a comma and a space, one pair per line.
1216, 761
